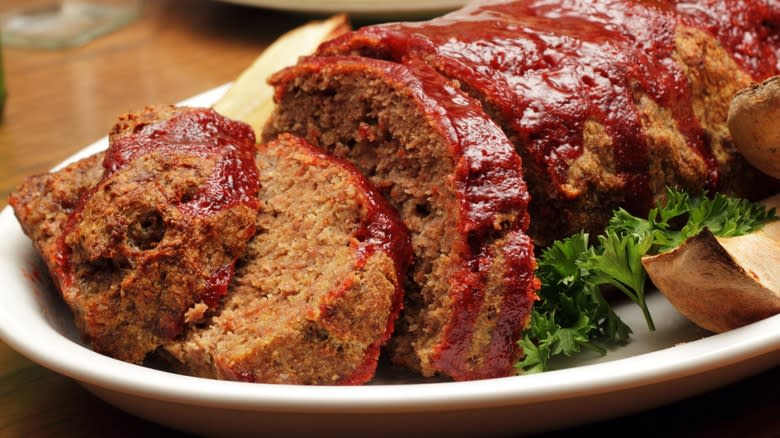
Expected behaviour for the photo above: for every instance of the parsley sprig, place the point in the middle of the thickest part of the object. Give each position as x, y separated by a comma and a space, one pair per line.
572, 313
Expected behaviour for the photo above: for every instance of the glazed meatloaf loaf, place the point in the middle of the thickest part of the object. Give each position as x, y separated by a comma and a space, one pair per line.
319, 288
146, 243
457, 184
607, 101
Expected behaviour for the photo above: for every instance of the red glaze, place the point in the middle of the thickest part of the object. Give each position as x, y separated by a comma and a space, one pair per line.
216, 288
548, 66
499, 358
489, 185
199, 132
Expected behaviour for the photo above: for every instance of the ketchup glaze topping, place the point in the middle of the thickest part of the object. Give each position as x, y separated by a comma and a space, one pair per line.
198, 132
548, 66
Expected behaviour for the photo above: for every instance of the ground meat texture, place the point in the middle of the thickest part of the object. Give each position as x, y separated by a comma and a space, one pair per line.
319, 288
457, 184
151, 244
42, 203
607, 101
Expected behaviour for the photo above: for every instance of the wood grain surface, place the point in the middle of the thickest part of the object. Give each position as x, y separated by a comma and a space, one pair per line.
59, 101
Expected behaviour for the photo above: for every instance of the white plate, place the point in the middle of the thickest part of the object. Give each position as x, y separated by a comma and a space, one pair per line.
364, 8
676, 361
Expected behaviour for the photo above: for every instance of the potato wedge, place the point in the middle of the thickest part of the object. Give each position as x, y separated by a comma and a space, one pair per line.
754, 123
722, 283
250, 98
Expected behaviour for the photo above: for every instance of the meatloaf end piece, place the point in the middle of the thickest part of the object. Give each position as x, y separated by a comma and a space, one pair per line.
319, 288
150, 246
457, 183
42, 203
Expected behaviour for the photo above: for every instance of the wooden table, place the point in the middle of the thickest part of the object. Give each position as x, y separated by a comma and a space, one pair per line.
60, 101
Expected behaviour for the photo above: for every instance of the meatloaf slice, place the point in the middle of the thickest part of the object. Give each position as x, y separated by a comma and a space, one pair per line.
319, 288
457, 183
148, 246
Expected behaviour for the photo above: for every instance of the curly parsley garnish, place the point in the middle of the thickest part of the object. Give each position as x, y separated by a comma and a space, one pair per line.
572, 312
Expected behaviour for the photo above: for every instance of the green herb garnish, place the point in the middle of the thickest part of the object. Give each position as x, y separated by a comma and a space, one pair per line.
572, 312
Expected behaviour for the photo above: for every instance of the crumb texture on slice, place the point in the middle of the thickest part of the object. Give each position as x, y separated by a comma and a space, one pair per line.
457, 184
319, 288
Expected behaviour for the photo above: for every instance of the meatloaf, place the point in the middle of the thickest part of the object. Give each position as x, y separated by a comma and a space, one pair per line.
318, 290
145, 244
607, 101
311, 299
457, 184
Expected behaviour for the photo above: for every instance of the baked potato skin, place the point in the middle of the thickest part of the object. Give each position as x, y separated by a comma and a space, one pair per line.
754, 123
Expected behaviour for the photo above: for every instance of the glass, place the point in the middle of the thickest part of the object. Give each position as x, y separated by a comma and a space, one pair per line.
65, 23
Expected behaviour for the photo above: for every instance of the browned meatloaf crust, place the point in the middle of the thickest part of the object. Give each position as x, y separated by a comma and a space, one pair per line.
319, 288
607, 101
42, 203
457, 184
147, 244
